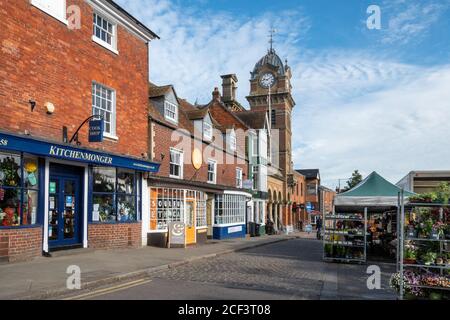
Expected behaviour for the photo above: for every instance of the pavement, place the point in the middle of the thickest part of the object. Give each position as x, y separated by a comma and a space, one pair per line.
45, 278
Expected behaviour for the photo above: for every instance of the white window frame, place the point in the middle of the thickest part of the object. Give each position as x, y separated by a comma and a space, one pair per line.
214, 181
233, 140
255, 148
255, 177
113, 133
181, 154
229, 209
61, 16
239, 177
207, 134
167, 106
113, 46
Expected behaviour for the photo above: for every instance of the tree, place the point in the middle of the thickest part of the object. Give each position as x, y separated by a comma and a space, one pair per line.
354, 180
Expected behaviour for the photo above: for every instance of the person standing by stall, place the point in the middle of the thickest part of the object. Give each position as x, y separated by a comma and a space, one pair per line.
319, 227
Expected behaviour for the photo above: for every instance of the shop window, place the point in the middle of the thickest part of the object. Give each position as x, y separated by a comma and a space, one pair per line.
176, 164
103, 104
230, 209
115, 195
19, 188
167, 205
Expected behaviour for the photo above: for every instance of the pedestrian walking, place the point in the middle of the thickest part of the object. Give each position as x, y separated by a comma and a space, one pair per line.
319, 227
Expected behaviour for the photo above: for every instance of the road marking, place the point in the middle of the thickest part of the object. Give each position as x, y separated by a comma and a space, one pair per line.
108, 290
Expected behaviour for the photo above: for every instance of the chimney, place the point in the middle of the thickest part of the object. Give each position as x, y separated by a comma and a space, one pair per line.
216, 94
229, 87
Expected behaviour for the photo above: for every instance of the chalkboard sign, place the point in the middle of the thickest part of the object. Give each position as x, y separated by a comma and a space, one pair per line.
177, 235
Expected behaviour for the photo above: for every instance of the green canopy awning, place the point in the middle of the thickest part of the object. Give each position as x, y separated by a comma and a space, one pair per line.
372, 191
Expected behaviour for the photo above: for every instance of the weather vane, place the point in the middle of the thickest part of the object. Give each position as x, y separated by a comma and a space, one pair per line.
271, 34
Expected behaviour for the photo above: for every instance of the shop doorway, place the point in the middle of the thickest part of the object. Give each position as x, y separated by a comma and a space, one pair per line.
191, 232
65, 207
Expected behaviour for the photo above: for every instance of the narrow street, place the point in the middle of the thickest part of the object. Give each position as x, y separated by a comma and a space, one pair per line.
286, 270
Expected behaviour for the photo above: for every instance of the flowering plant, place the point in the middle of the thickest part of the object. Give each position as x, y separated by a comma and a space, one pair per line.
411, 282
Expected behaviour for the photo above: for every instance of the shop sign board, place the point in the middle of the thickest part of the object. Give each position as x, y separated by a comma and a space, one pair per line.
66, 152
177, 234
247, 184
309, 206
96, 128
234, 229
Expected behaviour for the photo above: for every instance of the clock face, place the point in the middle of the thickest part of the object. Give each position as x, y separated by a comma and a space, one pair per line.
267, 80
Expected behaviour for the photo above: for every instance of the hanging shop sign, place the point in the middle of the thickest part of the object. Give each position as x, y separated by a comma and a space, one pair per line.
177, 234
96, 128
46, 149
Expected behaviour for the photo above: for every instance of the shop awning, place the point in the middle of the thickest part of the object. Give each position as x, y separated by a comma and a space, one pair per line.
372, 191
71, 153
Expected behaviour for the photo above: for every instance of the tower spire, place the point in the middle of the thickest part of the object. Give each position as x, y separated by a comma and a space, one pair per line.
272, 32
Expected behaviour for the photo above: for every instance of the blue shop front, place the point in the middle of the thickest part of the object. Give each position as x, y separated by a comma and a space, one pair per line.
51, 193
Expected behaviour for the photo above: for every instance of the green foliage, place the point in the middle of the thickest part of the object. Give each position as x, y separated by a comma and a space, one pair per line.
354, 180
441, 195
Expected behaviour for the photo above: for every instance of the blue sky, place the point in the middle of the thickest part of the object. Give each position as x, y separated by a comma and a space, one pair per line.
366, 99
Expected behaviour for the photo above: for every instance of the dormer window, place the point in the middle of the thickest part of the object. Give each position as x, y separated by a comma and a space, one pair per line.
233, 140
171, 111
207, 130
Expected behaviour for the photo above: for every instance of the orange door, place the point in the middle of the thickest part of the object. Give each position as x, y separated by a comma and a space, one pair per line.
191, 235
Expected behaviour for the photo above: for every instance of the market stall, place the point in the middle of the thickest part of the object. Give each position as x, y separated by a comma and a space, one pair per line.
377, 200
424, 255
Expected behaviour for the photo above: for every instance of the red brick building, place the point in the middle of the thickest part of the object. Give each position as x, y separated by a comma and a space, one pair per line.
63, 62
203, 164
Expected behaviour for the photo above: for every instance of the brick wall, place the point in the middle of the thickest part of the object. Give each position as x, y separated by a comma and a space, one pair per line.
41, 59
226, 173
20, 244
114, 235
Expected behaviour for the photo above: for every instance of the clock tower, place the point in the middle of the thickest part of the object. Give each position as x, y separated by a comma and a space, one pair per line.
271, 92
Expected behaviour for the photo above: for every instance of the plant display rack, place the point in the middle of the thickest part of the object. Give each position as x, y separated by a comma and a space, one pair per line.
424, 255
344, 237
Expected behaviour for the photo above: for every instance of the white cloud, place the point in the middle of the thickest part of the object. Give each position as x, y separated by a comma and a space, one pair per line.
395, 130
410, 21
354, 110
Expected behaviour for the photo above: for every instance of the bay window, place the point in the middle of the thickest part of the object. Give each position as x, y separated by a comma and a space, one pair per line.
230, 209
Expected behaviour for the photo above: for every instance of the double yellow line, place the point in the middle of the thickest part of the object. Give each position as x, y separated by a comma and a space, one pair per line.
108, 290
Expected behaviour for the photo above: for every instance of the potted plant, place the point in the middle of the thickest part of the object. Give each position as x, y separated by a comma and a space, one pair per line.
410, 256
429, 258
